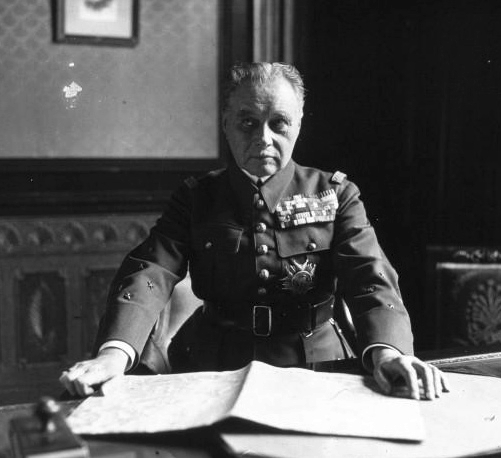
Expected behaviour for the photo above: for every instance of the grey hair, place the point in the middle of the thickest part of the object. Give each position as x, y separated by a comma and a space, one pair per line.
260, 73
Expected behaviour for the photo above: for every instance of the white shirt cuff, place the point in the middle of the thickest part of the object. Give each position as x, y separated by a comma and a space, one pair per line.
368, 365
125, 347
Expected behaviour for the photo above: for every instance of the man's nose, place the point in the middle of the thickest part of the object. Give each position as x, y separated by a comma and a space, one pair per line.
264, 135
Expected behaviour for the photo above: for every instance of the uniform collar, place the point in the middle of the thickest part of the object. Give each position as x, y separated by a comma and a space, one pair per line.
272, 190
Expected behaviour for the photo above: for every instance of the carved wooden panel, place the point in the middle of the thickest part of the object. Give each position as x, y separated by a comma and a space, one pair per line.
41, 317
65, 235
54, 277
466, 296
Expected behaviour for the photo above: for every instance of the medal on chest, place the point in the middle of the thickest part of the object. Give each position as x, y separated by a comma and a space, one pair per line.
301, 209
300, 277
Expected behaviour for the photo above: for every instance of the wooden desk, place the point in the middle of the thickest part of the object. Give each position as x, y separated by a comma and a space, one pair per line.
205, 444
465, 422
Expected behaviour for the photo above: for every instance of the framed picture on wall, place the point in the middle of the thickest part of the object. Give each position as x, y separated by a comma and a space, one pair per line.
100, 22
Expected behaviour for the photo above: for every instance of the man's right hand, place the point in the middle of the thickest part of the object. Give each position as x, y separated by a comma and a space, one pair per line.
83, 378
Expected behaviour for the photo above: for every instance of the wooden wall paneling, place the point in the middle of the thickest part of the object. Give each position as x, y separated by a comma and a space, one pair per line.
463, 296
8, 324
74, 311
41, 315
54, 276
6, 309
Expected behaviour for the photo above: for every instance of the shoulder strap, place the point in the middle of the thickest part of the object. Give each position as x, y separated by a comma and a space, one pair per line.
338, 177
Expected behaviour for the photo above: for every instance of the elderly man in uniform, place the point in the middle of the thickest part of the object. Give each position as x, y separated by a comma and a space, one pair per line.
267, 242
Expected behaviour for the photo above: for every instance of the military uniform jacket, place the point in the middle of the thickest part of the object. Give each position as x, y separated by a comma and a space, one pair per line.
288, 244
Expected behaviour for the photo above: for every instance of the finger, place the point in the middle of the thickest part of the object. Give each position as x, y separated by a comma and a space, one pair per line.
411, 379
95, 375
75, 371
67, 384
437, 381
81, 388
382, 380
84, 385
446, 387
84, 389
426, 374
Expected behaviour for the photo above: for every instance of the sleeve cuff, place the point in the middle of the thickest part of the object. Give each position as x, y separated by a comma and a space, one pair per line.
366, 355
125, 347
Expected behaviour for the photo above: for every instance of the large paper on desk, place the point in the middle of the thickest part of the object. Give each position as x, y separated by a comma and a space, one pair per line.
289, 399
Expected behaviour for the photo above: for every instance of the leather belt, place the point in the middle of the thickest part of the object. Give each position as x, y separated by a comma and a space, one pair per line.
264, 320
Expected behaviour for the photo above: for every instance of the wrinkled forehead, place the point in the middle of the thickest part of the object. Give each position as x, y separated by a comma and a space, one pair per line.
272, 95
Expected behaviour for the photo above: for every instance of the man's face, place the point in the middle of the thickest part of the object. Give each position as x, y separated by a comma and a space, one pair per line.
262, 124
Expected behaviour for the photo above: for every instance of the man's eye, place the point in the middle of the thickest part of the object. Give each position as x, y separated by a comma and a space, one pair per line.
248, 123
279, 125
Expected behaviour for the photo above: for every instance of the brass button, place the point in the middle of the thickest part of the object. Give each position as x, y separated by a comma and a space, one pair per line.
370, 289
264, 274
128, 296
262, 249
208, 245
262, 291
260, 227
311, 246
260, 204
391, 306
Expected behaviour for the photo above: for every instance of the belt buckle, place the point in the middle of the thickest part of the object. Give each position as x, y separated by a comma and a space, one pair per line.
259, 310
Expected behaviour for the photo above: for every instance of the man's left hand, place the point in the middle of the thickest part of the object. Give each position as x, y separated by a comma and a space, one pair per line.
390, 367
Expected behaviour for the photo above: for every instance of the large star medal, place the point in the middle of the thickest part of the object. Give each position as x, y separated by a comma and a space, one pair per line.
299, 278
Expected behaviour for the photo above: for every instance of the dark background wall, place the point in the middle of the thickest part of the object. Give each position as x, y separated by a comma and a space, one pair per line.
405, 98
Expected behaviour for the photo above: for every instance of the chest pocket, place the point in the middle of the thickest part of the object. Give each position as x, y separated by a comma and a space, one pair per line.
304, 240
214, 260
217, 238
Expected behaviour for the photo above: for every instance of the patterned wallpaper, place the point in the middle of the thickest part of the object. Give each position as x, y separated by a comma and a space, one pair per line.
156, 100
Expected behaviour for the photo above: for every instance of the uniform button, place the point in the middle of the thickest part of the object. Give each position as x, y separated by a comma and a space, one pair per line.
264, 274
262, 291
260, 204
260, 227
391, 306
370, 289
311, 246
208, 245
128, 296
262, 249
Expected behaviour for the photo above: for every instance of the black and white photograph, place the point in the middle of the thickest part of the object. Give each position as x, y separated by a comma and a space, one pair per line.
250, 228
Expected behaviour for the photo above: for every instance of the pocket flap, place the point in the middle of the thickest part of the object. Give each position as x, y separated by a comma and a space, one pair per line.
303, 240
217, 237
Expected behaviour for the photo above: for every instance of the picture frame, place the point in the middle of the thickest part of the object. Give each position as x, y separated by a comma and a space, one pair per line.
97, 22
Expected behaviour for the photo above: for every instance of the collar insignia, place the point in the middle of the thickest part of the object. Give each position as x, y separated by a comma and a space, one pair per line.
301, 209
300, 277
